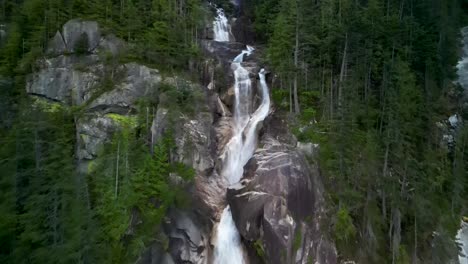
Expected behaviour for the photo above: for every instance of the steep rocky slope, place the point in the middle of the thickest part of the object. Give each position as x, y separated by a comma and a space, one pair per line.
279, 205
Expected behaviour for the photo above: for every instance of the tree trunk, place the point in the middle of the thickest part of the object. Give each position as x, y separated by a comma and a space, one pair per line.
342, 75
117, 171
296, 61
290, 97
331, 94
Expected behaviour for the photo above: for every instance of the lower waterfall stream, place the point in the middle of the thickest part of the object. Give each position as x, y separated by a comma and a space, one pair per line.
228, 248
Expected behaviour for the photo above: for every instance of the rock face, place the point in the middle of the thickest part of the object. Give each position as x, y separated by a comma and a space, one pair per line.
74, 30
83, 80
280, 203
188, 240
138, 82
463, 63
60, 80
93, 131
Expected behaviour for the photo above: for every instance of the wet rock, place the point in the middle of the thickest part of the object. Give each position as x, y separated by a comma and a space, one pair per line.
159, 125
188, 239
228, 97
75, 29
224, 52
223, 132
155, 254
222, 109
211, 195
286, 208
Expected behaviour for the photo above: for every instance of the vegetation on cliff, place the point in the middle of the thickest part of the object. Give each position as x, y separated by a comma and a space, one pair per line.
51, 212
369, 80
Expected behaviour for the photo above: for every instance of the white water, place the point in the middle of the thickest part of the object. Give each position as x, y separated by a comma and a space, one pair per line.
462, 238
228, 245
228, 248
221, 26
462, 235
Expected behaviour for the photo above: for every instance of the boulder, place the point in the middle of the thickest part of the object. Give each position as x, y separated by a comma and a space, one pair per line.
112, 44
193, 140
280, 202
159, 125
75, 29
155, 254
188, 238
309, 149
56, 45
221, 108
59, 79
138, 82
223, 129
93, 131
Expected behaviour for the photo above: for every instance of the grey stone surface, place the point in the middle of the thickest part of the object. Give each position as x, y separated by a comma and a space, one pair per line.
188, 239
139, 82
75, 28
193, 140
112, 44
280, 199
59, 80
56, 45
93, 131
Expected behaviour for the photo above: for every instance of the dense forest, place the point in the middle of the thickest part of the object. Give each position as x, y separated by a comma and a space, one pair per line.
50, 212
368, 80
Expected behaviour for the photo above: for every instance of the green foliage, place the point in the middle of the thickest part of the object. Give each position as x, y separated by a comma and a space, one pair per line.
345, 232
131, 192
373, 79
297, 239
182, 97
258, 246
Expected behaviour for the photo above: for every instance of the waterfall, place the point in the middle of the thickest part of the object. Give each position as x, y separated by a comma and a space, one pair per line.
238, 151
228, 245
221, 26
462, 72
462, 239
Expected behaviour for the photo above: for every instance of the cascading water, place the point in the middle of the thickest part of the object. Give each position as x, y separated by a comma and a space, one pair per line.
228, 248
221, 26
238, 151
462, 235
462, 238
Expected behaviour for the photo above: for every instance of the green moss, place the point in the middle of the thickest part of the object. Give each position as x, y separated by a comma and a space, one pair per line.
91, 166
297, 239
258, 246
123, 120
48, 106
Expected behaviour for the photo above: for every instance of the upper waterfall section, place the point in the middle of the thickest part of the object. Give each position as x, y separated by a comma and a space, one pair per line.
221, 27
